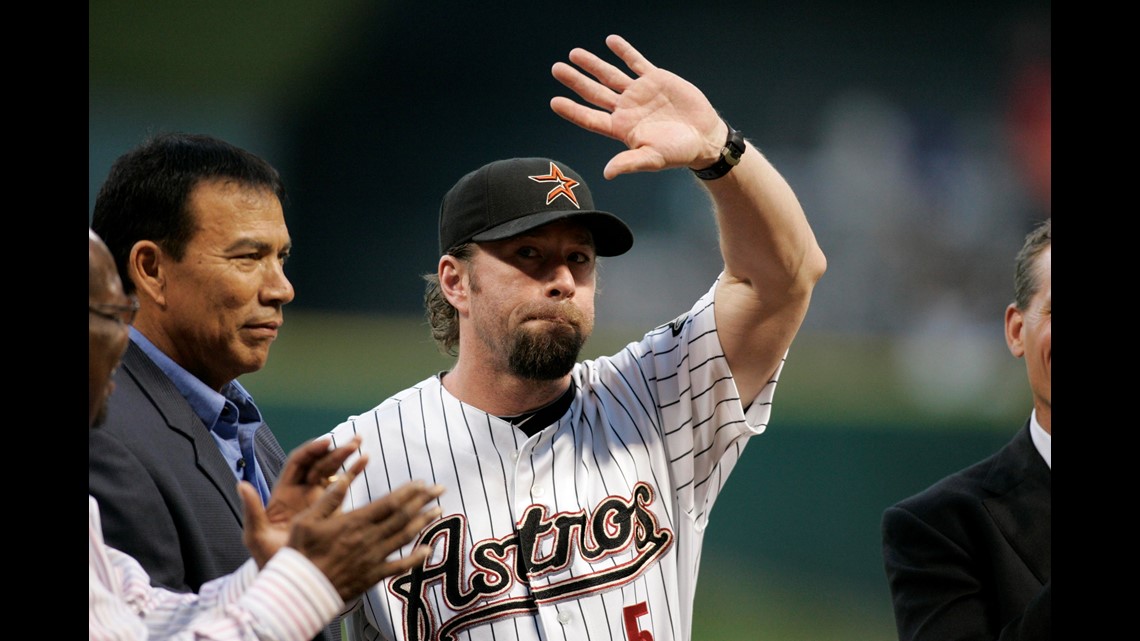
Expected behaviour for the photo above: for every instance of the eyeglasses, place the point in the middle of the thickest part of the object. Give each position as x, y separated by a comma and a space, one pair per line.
124, 314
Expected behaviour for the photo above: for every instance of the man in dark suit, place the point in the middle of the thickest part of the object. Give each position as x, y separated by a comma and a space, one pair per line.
198, 233
970, 557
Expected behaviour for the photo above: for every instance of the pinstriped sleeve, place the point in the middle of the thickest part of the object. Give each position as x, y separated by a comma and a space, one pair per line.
705, 422
289, 600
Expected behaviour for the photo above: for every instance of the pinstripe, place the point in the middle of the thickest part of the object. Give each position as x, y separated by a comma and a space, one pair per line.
642, 441
610, 500
451, 453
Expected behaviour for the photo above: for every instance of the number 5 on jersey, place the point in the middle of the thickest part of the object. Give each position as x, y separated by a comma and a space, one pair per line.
633, 631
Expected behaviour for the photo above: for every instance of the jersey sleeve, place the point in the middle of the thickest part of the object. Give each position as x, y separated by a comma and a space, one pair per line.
704, 423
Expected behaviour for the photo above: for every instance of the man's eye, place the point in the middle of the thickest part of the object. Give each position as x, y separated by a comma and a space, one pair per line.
581, 257
248, 259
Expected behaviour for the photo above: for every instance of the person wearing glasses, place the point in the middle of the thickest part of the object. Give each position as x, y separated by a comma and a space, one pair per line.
197, 230
306, 561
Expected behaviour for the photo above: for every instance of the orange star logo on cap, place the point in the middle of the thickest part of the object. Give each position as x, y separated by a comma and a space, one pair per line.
565, 186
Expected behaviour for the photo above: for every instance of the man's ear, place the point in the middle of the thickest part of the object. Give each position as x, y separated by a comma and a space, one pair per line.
453, 282
146, 269
1014, 324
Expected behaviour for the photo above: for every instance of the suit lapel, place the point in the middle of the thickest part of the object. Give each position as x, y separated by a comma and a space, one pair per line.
1022, 503
269, 454
181, 418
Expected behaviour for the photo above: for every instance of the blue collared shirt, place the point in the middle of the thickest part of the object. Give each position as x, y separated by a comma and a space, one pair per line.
231, 417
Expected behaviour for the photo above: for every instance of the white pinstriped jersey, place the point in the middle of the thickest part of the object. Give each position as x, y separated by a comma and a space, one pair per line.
592, 528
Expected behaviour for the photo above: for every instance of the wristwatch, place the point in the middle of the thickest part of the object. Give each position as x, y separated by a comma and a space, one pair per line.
729, 156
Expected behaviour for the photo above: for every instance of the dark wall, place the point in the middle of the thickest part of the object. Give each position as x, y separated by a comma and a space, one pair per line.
431, 91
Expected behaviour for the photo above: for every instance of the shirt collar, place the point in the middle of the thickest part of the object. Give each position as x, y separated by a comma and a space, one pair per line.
206, 403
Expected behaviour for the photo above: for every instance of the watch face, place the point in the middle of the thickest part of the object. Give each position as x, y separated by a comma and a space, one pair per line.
729, 156
735, 145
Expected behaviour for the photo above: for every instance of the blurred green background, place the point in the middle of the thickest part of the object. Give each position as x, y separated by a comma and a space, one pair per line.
917, 136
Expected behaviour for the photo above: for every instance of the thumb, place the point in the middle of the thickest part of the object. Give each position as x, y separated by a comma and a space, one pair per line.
255, 518
255, 533
333, 497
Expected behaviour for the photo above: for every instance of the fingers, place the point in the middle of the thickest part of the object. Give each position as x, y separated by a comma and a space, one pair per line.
603, 89
358, 466
590, 90
599, 122
603, 72
398, 531
417, 557
413, 516
330, 461
606, 90
632, 58
416, 524
410, 510
333, 497
411, 494
301, 459
609, 81
354, 548
347, 476
401, 515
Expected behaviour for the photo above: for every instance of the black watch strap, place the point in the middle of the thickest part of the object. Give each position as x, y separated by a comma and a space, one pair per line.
729, 156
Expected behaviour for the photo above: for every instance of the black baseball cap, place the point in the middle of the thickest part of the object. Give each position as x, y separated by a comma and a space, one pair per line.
505, 198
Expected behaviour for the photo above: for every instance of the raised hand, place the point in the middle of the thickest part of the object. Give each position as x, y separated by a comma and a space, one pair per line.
663, 119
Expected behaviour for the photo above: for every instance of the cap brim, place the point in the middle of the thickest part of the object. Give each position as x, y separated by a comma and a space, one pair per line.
612, 237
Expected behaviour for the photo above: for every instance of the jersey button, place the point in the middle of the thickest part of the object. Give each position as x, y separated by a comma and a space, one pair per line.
514, 456
537, 490
564, 617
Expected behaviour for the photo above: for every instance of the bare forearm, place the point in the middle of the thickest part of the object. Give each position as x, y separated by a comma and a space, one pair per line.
772, 263
765, 238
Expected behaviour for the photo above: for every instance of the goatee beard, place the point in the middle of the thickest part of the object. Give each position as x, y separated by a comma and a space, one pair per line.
545, 357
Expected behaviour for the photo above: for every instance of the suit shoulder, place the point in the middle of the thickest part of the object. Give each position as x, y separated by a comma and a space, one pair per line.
992, 475
948, 495
132, 416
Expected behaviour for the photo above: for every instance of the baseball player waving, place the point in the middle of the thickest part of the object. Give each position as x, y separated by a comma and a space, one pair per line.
578, 492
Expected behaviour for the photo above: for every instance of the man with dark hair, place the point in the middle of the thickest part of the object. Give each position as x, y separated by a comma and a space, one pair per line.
970, 557
198, 234
308, 557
